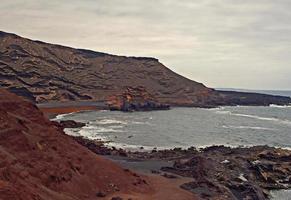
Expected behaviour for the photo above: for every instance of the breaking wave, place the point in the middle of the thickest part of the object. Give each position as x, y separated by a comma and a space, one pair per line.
247, 127
282, 121
279, 106
110, 121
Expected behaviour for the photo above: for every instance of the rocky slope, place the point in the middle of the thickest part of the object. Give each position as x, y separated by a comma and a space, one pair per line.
45, 73
39, 162
217, 172
135, 99
233, 98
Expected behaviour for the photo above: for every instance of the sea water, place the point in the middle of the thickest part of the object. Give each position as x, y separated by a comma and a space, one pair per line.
185, 127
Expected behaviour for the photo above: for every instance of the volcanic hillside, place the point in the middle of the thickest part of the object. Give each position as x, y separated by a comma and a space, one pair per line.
40, 162
45, 72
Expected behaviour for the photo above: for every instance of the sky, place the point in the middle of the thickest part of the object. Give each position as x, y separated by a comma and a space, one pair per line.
221, 43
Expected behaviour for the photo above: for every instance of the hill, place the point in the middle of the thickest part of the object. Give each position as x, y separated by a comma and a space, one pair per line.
45, 72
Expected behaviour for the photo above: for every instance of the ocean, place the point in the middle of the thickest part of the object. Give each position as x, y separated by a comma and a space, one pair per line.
186, 127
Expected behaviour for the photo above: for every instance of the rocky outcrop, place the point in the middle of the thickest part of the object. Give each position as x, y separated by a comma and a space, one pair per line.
135, 99
71, 124
252, 99
240, 173
45, 72
38, 161
217, 172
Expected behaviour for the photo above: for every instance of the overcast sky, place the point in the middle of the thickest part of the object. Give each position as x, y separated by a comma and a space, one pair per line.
221, 43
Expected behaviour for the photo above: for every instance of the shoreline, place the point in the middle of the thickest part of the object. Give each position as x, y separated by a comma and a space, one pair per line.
254, 171
52, 112
216, 171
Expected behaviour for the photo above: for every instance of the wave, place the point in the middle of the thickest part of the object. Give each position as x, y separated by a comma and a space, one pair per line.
116, 126
93, 132
62, 116
72, 132
282, 121
247, 127
102, 129
117, 122
256, 117
224, 112
110, 121
134, 122
132, 147
91, 135
279, 106
286, 148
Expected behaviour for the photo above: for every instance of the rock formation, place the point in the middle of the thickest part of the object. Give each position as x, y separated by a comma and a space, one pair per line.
135, 99
217, 172
44, 72
40, 162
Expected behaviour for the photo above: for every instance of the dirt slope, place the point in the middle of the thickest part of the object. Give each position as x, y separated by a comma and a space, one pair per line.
39, 162
45, 72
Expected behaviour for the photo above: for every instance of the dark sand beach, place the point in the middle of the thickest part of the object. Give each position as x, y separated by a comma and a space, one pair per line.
55, 108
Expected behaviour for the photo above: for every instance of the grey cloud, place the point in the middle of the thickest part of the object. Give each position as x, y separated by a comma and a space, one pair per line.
224, 43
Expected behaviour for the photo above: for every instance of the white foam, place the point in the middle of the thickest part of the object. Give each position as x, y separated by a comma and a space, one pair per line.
135, 122
223, 112
285, 148
247, 127
94, 132
263, 118
280, 194
279, 106
282, 121
116, 126
101, 129
92, 135
110, 121
72, 132
61, 116
131, 147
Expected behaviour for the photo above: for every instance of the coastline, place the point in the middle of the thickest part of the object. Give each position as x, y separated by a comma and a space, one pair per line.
52, 112
41, 162
216, 171
171, 164
52, 109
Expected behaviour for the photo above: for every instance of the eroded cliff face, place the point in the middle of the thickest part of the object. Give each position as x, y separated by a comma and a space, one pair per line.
135, 99
44, 72
38, 161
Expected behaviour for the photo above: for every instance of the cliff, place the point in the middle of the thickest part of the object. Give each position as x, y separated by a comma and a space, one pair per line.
44, 72
39, 162
233, 98
135, 99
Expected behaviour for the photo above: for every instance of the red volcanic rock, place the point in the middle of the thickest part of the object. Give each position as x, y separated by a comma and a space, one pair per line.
39, 162
45, 72
135, 99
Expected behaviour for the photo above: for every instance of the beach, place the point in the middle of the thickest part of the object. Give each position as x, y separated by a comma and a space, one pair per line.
212, 172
